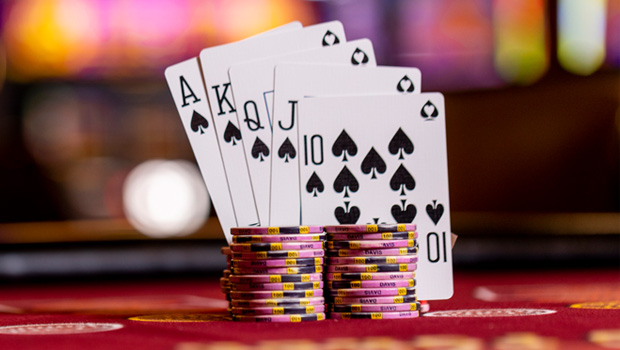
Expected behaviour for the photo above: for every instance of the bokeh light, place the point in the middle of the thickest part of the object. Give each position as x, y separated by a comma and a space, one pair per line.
521, 48
117, 38
165, 198
581, 35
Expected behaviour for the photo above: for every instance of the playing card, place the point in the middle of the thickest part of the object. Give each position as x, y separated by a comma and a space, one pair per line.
253, 94
292, 83
381, 159
215, 62
188, 92
189, 96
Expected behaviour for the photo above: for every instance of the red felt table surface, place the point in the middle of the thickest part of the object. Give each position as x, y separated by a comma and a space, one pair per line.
593, 319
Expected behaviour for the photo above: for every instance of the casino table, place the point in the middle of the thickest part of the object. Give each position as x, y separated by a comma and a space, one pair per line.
508, 309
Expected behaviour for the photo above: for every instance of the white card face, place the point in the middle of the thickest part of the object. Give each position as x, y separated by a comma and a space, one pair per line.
381, 159
253, 94
189, 96
292, 83
215, 63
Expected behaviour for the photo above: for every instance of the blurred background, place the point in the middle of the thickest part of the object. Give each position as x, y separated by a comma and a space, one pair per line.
97, 177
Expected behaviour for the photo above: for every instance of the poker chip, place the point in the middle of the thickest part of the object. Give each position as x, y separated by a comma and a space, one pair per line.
371, 236
371, 284
260, 247
366, 276
294, 270
370, 228
411, 298
275, 278
276, 230
371, 252
278, 238
281, 318
376, 307
276, 294
370, 292
277, 286
310, 253
277, 302
371, 271
277, 262
394, 243
279, 310
372, 268
275, 274
373, 315
407, 259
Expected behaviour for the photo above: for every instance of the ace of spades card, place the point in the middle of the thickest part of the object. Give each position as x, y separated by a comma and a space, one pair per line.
380, 159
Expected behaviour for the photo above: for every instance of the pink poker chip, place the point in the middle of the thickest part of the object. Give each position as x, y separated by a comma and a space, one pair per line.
410, 298
281, 294
249, 303
371, 284
370, 228
279, 310
290, 270
372, 236
260, 247
376, 307
366, 276
275, 278
373, 315
371, 252
286, 286
275, 230
371, 292
281, 318
347, 260
394, 243
372, 268
278, 262
280, 254
278, 238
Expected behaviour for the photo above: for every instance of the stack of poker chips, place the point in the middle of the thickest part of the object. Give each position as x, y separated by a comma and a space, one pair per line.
370, 271
275, 274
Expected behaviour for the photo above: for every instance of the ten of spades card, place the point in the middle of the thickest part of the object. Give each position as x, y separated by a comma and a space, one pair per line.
380, 159
293, 81
215, 62
253, 94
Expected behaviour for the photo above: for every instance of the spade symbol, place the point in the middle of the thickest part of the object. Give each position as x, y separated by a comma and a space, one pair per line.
405, 84
400, 144
343, 145
314, 184
260, 149
359, 57
401, 180
373, 163
287, 150
345, 181
404, 214
429, 110
330, 39
231, 133
198, 122
346, 216
434, 211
